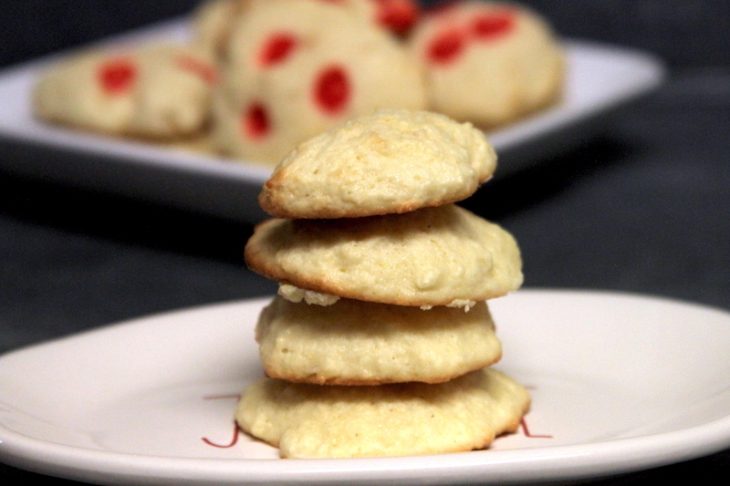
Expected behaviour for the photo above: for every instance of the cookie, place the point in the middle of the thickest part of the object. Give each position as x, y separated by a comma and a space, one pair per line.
361, 343
214, 19
212, 23
393, 161
288, 78
159, 92
312, 421
488, 63
433, 256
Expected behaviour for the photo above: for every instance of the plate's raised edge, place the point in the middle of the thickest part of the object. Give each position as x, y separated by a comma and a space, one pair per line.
494, 467
559, 462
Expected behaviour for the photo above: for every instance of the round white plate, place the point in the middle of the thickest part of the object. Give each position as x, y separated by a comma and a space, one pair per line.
619, 383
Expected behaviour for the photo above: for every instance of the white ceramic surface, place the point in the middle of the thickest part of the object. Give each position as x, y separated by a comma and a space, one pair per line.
619, 382
600, 79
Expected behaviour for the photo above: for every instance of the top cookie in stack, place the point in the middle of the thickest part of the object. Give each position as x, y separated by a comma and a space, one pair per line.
390, 162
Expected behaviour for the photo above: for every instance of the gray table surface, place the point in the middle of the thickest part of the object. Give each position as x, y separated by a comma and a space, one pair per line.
643, 207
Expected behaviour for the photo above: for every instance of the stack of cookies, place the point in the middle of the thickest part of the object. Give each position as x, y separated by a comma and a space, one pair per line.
379, 341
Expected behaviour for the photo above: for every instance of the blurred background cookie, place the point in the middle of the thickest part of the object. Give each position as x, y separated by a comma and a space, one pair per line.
212, 22
214, 19
296, 68
156, 92
488, 63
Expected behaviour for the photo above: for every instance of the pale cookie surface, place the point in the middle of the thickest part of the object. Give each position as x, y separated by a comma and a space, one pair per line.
314, 421
214, 19
392, 161
212, 23
488, 63
289, 78
361, 343
433, 256
158, 92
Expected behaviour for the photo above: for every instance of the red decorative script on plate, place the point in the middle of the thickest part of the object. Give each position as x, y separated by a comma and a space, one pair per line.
231, 443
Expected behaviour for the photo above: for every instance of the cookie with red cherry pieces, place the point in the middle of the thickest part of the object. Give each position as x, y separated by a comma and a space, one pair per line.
488, 63
297, 68
158, 92
212, 22
214, 19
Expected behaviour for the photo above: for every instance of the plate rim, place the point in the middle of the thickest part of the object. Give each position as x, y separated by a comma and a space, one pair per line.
595, 459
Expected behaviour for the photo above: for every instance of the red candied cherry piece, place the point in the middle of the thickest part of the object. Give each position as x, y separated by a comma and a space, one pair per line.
397, 15
446, 46
277, 48
202, 69
117, 76
255, 122
493, 25
332, 89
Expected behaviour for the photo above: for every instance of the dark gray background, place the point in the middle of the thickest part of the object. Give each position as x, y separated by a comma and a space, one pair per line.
642, 207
